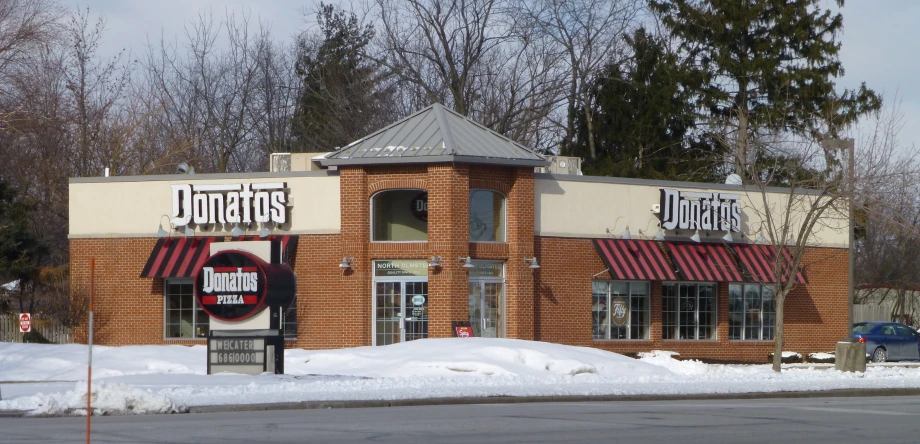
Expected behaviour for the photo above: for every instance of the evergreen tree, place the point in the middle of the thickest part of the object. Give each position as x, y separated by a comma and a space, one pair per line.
20, 251
766, 65
645, 118
344, 94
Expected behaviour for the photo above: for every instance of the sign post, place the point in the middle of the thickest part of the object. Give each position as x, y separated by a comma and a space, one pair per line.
236, 289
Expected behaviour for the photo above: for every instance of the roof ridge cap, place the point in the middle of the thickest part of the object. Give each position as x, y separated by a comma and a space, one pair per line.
445, 128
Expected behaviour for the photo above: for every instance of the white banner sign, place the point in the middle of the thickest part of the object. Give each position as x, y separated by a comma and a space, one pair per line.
692, 210
229, 203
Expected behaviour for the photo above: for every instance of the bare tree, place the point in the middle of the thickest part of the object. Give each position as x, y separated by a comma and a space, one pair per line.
812, 200
588, 35
26, 26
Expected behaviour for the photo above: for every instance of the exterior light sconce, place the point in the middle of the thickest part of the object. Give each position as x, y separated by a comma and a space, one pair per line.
237, 231
346, 263
728, 237
533, 262
696, 236
189, 231
435, 262
265, 231
760, 238
659, 236
625, 234
162, 232
467, 262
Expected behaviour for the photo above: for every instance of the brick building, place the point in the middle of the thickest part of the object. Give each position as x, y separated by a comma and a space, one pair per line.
436, 220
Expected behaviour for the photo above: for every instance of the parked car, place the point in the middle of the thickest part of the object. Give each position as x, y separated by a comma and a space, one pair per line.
888, 341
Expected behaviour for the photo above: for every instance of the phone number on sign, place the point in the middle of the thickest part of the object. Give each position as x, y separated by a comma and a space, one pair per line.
239, 358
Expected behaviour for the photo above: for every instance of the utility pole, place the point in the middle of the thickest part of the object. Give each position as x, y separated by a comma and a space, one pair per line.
850, 146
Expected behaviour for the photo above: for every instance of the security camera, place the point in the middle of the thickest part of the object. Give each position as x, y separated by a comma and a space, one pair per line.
656, 208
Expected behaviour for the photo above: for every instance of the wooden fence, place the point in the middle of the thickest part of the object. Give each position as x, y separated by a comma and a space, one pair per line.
50, 330
871, 312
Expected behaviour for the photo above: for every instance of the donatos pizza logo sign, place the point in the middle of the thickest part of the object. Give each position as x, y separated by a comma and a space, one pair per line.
231, 285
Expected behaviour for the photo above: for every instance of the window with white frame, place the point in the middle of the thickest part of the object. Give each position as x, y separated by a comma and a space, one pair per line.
752, 312
184, 319
620, 310
688, 311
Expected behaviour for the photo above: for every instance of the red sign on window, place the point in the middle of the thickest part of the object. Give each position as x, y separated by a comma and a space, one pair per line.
463, 331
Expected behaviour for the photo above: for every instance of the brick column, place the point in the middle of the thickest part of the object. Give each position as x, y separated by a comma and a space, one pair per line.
448, 236
354, 304
519, 278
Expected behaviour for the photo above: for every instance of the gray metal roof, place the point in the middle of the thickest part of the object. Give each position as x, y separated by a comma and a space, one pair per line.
435, 134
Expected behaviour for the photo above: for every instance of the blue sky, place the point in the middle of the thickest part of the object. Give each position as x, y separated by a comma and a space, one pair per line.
878, 38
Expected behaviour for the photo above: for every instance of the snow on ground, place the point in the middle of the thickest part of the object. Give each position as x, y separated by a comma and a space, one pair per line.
51, 379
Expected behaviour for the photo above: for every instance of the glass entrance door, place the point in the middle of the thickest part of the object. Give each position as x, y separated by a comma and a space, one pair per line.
486, 309
401, 311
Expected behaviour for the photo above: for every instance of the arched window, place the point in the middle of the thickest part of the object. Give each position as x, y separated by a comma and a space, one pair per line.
487, 216
399, 216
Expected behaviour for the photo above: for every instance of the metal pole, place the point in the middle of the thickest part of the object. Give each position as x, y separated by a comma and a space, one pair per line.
89, 368
851, 145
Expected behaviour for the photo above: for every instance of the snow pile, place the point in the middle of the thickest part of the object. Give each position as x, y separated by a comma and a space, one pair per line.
108, 399
452, 357
67, 362
163, 379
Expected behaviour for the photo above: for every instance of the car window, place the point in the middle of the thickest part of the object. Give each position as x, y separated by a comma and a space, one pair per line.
863, 328
905, 332
888, 330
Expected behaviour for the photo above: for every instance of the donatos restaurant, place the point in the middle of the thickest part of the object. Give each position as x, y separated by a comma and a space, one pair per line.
434, 222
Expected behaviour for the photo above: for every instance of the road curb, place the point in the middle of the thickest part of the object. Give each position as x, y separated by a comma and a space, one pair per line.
312, 405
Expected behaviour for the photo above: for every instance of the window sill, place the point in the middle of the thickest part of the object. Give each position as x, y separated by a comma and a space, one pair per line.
631, 341
751, 341
692, 341
399, 242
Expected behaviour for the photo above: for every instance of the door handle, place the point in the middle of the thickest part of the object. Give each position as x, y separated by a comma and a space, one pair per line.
402, 322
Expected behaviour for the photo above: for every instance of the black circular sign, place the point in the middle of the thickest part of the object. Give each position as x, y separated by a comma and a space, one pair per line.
231, 285
420, 207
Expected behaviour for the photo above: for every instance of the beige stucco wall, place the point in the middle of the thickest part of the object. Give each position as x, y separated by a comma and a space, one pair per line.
587, 207
134, 206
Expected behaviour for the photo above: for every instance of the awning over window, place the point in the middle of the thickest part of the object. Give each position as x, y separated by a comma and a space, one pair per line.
175, 257
758, 261
704, 262
178, 257
633, 259
288, 244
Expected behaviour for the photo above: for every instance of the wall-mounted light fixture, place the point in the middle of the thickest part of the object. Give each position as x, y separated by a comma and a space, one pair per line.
265, 231
659, 236
760, 238
625, 233
532, 261
162, 232
435, 262
728, 237
696, 236
467, 262
237, 231
189, 231
346, 263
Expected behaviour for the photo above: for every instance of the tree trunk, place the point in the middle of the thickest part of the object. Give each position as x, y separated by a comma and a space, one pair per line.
778, 335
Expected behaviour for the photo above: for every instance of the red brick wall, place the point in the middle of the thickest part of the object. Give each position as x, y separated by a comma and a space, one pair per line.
816, 314
552, 303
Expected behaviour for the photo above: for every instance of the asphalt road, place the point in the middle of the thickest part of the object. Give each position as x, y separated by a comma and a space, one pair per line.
813, 420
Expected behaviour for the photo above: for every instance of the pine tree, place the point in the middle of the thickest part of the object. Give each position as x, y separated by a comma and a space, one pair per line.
645, 118
20, 251
345, 95
766, 65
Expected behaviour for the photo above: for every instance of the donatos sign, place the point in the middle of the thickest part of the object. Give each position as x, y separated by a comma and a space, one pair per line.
232, 285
